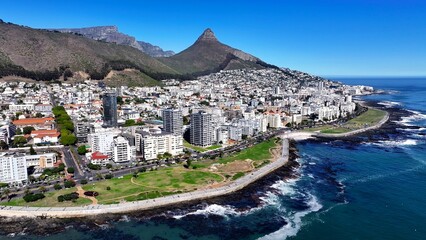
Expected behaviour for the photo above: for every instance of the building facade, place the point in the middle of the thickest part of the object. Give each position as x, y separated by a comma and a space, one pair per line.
122, 151
109, 101
201, 129
173, 121
13, 168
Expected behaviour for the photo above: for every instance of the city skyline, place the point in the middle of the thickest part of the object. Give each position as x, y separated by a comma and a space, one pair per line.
330, 38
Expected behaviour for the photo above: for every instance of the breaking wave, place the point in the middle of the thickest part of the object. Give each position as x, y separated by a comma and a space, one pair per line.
294, 222
389, 104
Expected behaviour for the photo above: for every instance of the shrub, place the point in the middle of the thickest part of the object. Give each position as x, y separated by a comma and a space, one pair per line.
81, 150
83, 181
108, 176
68, 197
31, 197
94, 166
69, 184
57, 186
108, 188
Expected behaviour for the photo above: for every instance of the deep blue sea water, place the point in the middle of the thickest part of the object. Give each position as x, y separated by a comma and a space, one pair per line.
371, 190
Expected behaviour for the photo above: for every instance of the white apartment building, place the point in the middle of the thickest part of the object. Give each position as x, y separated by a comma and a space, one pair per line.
201, 129
101, 141
45, 160
152, 144
13, 168
21, 107
122, 151
274, 121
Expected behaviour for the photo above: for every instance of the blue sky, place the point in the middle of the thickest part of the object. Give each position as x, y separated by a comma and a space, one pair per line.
323, 37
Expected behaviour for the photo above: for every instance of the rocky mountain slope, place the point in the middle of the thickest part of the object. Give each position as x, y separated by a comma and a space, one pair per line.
27, 52
112, 35
208, 55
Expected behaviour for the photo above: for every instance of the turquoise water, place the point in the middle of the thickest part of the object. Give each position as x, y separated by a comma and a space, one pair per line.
346, 190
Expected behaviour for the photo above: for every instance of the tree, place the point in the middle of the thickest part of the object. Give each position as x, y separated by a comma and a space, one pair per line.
32, 151
67, 138
70, 170
67, 74
186, 120
3, 145
82, 150
69, 184
99, 176
42, 189
28, 129
18, 131
18, 140
119, 100
57, 186
6, 192
129, 122
108, 165
167, 155
83, 181
39, 115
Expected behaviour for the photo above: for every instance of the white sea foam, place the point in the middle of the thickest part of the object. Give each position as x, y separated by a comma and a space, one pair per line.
412, 129
294, 222
213, 209
396, 143
407, 121
389, 104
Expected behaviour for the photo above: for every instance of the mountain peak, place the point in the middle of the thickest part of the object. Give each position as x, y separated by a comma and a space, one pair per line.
208, 35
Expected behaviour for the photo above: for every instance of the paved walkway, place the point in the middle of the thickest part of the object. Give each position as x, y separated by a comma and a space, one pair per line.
69, 212
81, 191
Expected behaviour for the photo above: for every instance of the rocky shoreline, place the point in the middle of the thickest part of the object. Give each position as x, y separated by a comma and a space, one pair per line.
250, 194
47, 226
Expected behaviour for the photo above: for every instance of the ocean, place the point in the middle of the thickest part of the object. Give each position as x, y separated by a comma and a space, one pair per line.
371, 189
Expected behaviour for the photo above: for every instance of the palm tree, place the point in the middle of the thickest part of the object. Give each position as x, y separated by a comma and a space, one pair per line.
6, 192
99, 176
42, 189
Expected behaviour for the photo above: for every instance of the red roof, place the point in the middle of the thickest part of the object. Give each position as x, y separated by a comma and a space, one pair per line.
44, 133
99, 156
32, 121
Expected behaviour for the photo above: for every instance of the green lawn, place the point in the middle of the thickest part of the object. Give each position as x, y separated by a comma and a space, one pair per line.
259, 152
200, 149
369, 118
213, 147
51, 200
151, 184
161, 182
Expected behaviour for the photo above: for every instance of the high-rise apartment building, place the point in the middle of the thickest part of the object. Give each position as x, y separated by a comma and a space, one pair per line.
201, 129
109, 101
172, 121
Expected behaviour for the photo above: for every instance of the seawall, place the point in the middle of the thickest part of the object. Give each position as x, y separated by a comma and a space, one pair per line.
74, 212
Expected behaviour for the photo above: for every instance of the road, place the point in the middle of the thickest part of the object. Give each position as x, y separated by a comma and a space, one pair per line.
71, 162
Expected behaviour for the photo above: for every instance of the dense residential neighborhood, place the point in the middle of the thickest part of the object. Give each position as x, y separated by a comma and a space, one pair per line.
126, 126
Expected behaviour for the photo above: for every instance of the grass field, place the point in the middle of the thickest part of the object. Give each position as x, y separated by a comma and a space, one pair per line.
50, 200
259, 152
369, 118
165, 181
151, 184
200, 149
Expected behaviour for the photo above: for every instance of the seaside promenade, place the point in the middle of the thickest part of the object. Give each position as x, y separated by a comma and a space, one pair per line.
92, 210
301, 135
